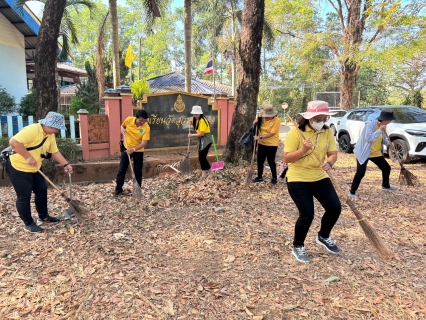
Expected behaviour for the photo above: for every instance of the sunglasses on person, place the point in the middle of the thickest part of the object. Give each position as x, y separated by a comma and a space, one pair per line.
321, 119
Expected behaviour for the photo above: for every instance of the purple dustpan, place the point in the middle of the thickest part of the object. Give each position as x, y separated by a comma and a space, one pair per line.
218, 165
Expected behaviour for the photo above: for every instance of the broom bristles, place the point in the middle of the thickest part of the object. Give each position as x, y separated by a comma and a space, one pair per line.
77, 209
249, 178
185, 166
407, 178
383, 251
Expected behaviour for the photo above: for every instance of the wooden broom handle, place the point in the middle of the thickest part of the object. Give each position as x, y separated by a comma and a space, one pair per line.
393, 148
48, 180
336, 185
189, 138
130, 160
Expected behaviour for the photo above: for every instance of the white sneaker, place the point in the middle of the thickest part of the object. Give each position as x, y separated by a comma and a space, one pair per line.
353, 196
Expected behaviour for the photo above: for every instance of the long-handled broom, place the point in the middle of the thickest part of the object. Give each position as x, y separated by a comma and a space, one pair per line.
249, 177
370, 232
405, 177
137, 190
185, 166
78, 210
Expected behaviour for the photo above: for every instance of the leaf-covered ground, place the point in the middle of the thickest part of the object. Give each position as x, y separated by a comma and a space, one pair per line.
214, 250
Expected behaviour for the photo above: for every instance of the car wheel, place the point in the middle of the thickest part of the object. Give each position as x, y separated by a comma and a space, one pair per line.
333, 128
345, 144
401, 150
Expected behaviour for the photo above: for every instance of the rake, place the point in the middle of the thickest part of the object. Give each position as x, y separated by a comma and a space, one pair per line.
371, 233
405, 177
77, 209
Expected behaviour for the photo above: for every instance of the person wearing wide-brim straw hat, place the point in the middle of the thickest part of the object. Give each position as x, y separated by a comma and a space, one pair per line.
30, 146
369, 148
268, 139
201, 126
307, 178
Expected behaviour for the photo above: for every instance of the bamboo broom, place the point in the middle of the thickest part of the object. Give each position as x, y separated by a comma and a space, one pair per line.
371, 233
137, 190
78, 210
405, 177
185, 166
249, 177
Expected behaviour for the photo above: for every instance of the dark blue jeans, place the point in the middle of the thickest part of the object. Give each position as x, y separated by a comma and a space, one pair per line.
24, 184
124, 164
303, 194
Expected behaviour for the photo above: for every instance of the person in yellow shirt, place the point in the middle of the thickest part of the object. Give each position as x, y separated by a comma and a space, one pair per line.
136, 134
202, 128
268, 139
29, 147
307, 178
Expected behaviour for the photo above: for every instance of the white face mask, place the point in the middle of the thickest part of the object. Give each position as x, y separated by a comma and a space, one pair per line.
317, 125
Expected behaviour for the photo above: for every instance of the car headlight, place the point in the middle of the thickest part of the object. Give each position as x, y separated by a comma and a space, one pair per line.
417, 133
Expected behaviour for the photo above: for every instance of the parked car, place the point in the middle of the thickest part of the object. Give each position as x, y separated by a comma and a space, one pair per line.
332, 122
407, 131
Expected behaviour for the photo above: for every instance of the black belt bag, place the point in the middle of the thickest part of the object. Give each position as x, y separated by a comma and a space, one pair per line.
6, 153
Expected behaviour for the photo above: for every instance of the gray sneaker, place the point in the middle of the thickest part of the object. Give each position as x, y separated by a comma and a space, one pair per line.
329, 244
33, 228
300, 254
353, 196
390, 188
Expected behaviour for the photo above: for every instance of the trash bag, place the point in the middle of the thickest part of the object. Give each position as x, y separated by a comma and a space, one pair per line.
247, 139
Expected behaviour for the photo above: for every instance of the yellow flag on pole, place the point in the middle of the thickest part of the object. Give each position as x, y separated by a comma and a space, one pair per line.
130, 56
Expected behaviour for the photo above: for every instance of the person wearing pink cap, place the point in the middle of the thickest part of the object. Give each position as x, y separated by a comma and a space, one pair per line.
307, 178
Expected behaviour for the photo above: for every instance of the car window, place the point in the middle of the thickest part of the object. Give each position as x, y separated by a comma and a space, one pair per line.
351, 115
373, 114
409, 115
339, 114
360, 115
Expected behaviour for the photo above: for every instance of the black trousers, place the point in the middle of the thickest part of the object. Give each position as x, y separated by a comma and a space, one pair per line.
24, 184
202, 158
303, 194
362, 168
266, 152
124, 164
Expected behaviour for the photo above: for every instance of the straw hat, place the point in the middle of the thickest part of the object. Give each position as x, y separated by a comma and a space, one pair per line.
268, 111
54, 120
315, 108
196, 110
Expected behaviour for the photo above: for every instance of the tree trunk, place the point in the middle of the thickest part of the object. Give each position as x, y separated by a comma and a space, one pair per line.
46, 58
188, 39
100, 67
115, 43
347, 85
248, 78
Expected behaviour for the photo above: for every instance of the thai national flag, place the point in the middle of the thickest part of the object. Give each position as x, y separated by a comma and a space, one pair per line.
209, 68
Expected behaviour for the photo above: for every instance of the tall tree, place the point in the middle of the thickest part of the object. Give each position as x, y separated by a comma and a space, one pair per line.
248, 77
115, 43
187, 21
46, 57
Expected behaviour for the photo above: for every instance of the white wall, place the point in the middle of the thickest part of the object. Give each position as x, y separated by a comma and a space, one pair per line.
13, 75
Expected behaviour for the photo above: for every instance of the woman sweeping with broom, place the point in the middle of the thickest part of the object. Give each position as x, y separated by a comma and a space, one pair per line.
136, 133
307, 179
202, 128
30, 146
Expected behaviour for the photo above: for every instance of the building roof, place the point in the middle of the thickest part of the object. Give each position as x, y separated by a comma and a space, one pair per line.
69, 90
175, 81
218, 86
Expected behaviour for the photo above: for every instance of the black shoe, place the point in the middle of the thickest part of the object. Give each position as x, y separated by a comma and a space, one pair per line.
117, 193
257, 180
329, 244
273, 181
33, 228
47, 219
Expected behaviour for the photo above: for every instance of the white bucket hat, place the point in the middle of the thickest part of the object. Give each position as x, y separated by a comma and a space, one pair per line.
315, 108
196, 110
54, 120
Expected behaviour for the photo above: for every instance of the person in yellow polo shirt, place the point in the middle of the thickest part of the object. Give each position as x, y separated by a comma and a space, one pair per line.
202, 128
268, 138
30, 146
307, 178
136, 134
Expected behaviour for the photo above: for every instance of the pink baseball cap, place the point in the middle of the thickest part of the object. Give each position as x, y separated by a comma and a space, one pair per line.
315, 108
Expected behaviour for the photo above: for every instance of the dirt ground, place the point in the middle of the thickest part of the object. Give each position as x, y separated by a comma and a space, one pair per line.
214, 249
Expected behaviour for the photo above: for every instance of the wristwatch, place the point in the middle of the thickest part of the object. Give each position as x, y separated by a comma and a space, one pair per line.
260, 137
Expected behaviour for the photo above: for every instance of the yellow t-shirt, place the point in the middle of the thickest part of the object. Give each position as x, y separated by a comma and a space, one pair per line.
307, 169
32, 136
376, 146
135, 134
203, 127
271, 126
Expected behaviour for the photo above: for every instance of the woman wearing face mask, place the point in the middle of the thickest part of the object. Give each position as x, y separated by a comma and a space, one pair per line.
307, 178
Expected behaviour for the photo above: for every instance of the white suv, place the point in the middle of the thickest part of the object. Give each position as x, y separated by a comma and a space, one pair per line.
407, 132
